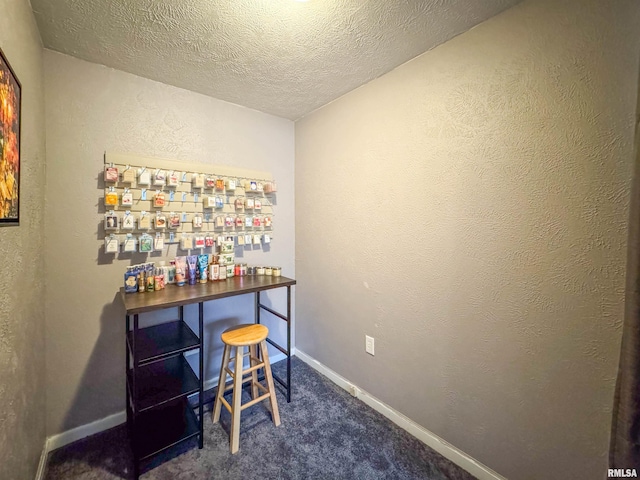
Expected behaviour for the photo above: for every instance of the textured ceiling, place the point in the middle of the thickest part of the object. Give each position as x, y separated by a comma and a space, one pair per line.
282, 57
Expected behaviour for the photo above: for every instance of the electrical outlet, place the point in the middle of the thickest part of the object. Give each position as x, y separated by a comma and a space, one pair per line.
369, 344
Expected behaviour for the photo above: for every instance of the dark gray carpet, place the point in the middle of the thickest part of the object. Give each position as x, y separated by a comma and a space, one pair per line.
325, 434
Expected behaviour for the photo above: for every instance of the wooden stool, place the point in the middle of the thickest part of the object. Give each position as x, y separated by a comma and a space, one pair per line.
238, 337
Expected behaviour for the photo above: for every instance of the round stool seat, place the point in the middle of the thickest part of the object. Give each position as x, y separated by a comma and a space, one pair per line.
244, 335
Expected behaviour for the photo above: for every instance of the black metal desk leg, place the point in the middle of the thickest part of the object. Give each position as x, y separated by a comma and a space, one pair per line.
257, 312
201, 393
288, 344
126, 371
134, 396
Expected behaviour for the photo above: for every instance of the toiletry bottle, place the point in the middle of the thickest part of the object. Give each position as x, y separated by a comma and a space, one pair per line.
130, 281
164, 271
169, 277
158, 279
141, 282
172, 273
167, 274
150, 281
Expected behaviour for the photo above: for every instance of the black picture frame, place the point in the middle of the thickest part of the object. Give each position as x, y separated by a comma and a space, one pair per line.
10, 129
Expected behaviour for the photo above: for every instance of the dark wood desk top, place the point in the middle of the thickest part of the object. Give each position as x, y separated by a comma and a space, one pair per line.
173, 296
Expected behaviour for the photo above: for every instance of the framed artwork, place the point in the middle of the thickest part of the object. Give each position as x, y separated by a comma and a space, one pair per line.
10, 104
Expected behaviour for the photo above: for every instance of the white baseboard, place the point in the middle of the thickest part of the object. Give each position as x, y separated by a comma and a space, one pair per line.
42, 465
65, 438
444, 448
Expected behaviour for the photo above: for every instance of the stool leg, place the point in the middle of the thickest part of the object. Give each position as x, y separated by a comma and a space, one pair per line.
236, 408
254, 375
221, 384
272, 390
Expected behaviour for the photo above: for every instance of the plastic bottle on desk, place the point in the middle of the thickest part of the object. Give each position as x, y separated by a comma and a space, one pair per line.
130, 281
158, 279
142, 282
151, 282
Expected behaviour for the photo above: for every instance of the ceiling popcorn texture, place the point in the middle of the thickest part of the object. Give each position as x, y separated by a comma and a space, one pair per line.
281, 57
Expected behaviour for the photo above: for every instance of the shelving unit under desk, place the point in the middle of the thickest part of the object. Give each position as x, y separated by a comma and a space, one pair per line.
159, 379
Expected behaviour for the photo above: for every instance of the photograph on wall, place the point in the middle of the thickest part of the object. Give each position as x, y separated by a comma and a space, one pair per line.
9, 144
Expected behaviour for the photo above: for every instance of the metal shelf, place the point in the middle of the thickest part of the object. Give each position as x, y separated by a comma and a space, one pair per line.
161, 341
162, 382
163, 427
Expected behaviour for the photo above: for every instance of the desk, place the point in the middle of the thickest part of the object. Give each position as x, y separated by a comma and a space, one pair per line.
159, 379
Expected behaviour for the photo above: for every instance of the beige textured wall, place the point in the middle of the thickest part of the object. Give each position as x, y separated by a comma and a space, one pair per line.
469, 210
90, 109
22, 381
